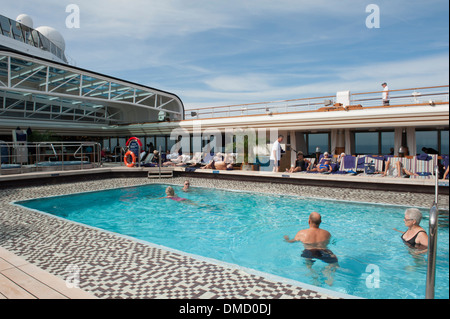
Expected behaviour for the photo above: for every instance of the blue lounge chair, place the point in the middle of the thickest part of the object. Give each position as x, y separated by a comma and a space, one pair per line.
348, 165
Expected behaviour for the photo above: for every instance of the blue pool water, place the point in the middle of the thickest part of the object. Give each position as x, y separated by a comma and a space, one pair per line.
248, 228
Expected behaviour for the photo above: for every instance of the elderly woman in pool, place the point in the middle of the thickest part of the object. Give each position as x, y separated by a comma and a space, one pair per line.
170, 193
415, 236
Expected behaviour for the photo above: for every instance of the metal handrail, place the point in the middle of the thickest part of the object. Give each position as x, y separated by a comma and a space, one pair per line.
159, 162
122, 154
410, 96
432, 242
57, 150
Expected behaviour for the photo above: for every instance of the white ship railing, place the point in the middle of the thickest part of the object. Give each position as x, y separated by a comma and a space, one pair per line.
411, 96
24, 157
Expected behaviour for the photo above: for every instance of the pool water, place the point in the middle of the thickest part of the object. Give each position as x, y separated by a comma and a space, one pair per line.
247, 229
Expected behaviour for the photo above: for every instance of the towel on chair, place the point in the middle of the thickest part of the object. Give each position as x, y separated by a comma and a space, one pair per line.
424, 157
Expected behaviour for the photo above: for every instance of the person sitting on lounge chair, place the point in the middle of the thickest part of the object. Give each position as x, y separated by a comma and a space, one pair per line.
445, 173
325, 167
396, 169
301, 164
218, 165
179, 161
321, 164
156, 156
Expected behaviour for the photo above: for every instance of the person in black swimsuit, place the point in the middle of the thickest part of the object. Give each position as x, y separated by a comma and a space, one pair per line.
301, 164
415, 237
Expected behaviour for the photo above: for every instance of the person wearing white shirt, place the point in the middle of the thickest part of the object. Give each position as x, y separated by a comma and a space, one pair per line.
385, 94
275, 154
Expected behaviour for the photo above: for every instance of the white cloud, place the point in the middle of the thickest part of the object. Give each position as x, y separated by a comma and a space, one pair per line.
212, 52
420, 72
240, 83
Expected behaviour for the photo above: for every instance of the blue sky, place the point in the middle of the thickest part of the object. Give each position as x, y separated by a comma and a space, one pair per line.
213, 53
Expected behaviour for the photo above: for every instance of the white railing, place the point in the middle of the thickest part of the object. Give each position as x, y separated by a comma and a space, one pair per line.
432, 242
411, 96
24, 157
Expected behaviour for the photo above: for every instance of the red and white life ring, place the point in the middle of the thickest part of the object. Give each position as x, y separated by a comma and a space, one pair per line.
133, 159
134, 139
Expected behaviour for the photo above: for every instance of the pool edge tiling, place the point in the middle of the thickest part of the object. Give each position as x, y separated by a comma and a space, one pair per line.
114, 266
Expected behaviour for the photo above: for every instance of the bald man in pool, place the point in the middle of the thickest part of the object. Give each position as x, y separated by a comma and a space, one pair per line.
315, 241
313, 236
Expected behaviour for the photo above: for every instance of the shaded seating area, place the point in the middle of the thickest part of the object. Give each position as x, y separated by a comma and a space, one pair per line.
419, 166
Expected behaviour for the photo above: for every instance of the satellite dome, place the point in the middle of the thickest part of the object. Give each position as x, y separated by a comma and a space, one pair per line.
25, 20
54, 36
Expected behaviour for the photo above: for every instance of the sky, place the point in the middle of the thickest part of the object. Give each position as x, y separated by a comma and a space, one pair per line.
215, 53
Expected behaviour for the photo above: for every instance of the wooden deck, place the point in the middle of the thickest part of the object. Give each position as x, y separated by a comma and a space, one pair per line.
22, 280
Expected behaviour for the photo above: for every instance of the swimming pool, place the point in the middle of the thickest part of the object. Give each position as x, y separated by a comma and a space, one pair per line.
248, 228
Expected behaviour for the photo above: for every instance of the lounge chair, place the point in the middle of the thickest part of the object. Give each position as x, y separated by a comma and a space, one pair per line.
147, 162
424, 164
348, 165
360, 163
445, 160
406, 163
207, 158
195, 161
322, 161
312, 160
377, 161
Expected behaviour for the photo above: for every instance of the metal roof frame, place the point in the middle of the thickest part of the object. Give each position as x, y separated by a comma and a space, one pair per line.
36, 88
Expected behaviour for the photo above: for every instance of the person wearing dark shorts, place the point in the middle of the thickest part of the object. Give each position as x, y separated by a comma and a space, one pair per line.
315, 241
324, 255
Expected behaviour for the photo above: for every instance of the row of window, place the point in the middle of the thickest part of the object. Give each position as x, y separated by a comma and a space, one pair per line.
382, 143
364, 142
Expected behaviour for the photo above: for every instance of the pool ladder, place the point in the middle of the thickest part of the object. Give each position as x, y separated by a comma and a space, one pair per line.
432, 241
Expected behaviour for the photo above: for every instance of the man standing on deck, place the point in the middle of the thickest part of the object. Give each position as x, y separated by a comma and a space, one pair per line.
385, 95
275, 154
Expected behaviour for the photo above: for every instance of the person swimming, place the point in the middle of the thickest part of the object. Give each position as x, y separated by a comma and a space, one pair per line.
325, 255
315, 241
415, 236
170, 193
186, 186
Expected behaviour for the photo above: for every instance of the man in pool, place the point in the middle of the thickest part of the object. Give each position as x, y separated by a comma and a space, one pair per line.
315, 241
186, 186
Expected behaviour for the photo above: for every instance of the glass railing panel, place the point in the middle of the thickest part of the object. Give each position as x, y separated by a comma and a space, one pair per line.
5, 26
45, 43
20, 32
17, 31
35, 40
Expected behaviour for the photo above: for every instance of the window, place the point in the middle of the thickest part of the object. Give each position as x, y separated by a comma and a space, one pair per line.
122, 142
161, 141
106, 144
437, 140
374, 143
170, 143
428, 139
387, 142
366, 142
321, 140
444, 142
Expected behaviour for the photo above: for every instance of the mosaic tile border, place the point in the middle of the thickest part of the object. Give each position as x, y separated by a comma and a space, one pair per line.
113, 266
